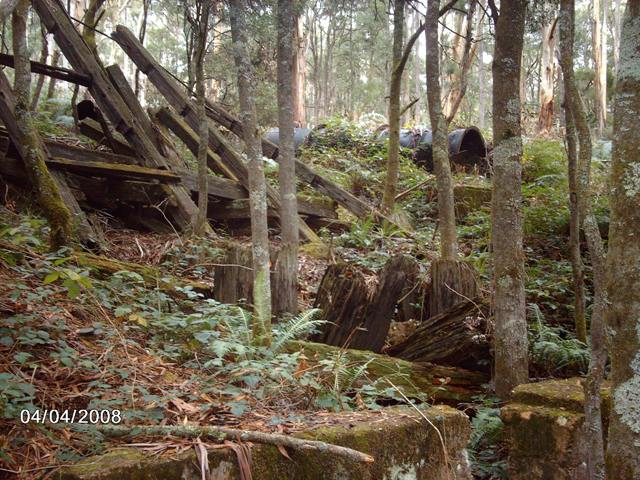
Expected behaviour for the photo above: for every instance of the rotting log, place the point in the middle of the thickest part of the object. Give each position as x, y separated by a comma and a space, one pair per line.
414, 379
455, 337
82, 228
178, 99
81, 58
153, 278
58, 73
399, 272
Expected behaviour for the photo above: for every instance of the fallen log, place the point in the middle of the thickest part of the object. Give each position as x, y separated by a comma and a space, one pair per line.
58, 73
81, 58
223, 433
454, 337
415, 379
178, 99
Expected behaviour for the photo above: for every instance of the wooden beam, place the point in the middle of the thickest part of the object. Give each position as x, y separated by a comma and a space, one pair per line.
50, 71
113, 170
108, 99
177, 98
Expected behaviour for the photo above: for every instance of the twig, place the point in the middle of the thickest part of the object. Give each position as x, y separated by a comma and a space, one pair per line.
222, 433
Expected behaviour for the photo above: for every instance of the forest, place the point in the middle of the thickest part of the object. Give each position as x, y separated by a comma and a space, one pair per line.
320, 239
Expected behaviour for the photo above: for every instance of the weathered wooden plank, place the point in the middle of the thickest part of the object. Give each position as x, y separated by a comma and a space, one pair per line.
239, 210
349, 201
58, 73
93, 130
81, 58
178, 99
113, 170
82, 227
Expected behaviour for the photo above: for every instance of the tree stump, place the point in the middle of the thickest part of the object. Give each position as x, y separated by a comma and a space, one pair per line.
399, 272
361, 319
452, 282
454, 337
233, 279
342, 296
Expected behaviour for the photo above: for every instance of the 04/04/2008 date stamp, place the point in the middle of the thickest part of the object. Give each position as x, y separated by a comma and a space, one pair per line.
82, 416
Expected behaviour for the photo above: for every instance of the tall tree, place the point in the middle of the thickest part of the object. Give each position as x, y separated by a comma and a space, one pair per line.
577, 122
599, 46
299, 70
623, 269
440, 145
44, 185
257, 185
393, 151
547, 76
288, 256
511, 356
200, 23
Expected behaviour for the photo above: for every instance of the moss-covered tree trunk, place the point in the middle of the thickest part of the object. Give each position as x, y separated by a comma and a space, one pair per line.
623, 267
288, 257
511, 355
393, 151
257, 185
33, 152
577, 120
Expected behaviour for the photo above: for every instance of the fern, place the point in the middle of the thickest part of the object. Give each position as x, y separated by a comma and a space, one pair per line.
297, 327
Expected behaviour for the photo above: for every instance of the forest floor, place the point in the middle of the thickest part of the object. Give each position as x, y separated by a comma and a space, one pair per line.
72, 338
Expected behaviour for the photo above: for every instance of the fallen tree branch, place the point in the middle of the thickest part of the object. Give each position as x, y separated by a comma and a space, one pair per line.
222, 433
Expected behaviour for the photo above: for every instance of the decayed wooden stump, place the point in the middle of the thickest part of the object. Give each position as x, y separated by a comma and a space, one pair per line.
342, 296
399, 272
233, 279
454, 337
452, 282
358, 317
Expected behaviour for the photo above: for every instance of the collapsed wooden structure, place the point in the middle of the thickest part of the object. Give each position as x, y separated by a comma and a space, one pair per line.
143, 178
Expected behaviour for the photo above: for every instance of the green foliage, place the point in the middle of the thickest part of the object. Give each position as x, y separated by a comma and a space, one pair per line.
543, 157
555, 351
486, 453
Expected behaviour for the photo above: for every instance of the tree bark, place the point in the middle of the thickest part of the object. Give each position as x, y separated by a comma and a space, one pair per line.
299, 71
51, 88
288, 257
595, 375
33, 154
547, 77
599, 46
201, 224
142, 33
393, 149
440, 144
511, 355
623, 269
257, 184
44, 54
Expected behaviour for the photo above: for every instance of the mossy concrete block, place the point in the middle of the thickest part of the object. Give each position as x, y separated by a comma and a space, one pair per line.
544, 430
405, 447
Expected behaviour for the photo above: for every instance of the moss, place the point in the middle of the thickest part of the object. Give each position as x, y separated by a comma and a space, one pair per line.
567, 393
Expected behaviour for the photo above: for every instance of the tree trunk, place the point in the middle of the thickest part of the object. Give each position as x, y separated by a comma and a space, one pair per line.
482, 83
393, 151
201, 25
547, 77
299, 72
44, 54
452, 282
51, 89
511, 354
599, 45
440, 144
577, 264
288, 257
142, 33
257, 184
577, 117
33, 154
623, 270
